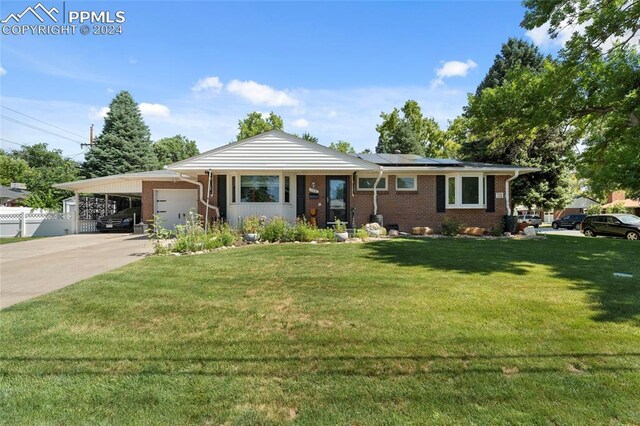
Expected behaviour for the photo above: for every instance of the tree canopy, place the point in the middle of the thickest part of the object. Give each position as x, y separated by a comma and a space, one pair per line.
408, 131
39, 168
255, 123
173, 149
343, 146
125, 142
594, 89
498, 128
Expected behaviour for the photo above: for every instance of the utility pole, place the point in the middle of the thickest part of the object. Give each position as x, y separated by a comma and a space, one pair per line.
90, 144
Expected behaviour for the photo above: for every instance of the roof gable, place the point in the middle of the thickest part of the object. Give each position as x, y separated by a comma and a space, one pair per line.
273, 150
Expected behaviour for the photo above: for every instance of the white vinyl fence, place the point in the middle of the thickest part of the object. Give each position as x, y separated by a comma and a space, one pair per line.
25, 224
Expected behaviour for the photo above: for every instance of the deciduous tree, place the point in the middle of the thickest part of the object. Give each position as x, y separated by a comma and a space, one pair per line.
343, 146
173, 149
255, 123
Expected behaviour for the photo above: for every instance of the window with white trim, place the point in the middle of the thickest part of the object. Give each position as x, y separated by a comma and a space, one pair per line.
406, 183
366, 183
466, 191
259, 189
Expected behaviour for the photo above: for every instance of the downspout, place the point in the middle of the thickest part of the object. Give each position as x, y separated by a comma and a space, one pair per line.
375, 191
507, 186
201, 192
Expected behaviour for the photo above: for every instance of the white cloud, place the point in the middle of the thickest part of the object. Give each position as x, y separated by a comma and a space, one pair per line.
540, 36
451, 69
208, 84
2, 71
154, 110
300, 123
98, 112
133, 61
455, 69
332, 113
260, 94
110, 90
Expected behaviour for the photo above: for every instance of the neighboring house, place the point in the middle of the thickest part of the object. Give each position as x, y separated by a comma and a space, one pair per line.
278, 174
619, 197
11, 197
579, 205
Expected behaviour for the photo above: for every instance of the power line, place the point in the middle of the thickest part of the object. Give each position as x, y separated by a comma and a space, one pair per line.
31, 126
15, 143
43, 122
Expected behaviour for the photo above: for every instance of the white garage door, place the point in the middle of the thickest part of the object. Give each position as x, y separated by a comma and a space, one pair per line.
173, 205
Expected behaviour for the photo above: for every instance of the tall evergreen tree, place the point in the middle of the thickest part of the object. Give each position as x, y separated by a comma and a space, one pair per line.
125, 142
515, 53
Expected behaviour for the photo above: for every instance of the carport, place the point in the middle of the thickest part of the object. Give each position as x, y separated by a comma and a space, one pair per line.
132, 186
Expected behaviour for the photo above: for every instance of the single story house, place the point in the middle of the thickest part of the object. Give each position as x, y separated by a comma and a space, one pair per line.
578, 206
12, 196
619, 197
278, 174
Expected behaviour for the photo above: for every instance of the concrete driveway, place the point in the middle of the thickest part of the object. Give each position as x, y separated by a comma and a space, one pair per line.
559, 231
31, 268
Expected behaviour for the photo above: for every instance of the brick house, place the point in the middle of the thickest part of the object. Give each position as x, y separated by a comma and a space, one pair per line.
278, 174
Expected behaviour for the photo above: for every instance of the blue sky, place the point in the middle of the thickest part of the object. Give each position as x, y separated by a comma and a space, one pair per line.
196, 68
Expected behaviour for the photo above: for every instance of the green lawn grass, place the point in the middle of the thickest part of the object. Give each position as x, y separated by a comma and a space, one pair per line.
7, 240
438, 331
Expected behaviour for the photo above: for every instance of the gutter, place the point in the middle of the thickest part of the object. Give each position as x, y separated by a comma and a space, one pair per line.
507, 186
201, 193
375, 191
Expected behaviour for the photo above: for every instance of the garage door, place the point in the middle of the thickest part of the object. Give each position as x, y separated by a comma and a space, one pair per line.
173, 205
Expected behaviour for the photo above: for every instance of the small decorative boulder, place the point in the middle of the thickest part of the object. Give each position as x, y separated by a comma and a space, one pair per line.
530, 231
393, 233
374, 229
421, 230
473, 230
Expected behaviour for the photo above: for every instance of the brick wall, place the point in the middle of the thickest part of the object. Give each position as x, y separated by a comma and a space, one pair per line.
418, 208
149, 186
406, 208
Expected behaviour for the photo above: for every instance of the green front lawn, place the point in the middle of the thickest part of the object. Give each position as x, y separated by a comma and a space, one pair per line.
435, 331
7, 240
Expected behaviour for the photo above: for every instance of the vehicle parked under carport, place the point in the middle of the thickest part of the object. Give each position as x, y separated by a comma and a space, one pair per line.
120, 221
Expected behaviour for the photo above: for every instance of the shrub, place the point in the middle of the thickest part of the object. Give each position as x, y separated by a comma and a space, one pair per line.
251, 225
451, 227
497, 229
303, 231
362, 233
339, 226
617, 208
277, 230
158, 235
594, 209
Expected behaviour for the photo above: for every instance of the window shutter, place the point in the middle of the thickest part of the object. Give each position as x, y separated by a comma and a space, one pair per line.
491, 193
300, 195
440, 194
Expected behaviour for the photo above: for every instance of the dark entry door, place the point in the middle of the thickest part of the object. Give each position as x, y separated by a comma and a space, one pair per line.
337, 198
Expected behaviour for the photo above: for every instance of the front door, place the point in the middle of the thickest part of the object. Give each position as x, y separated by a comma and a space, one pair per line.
337, 199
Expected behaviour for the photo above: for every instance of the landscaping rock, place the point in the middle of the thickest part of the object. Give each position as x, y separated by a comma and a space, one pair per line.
474, 231
530, 231
421, 230
393, 233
